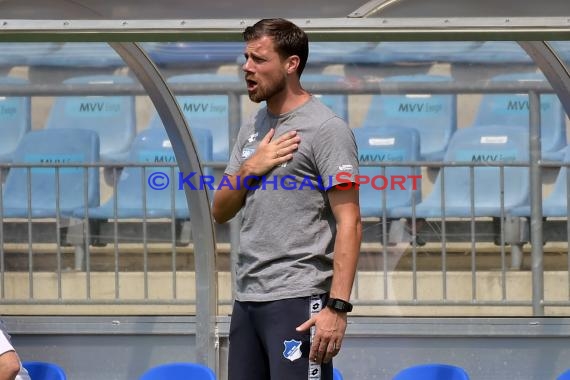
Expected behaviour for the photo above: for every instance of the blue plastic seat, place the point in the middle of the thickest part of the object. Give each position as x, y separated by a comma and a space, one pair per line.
150, 146
25, 53
172, 371
564, 375
44, 370
492, 145
68, 186
338, 103
112, 117
434, 116
432, 372
427, 52
556, 203
205, 111
497, 52
82, 55
380, 145
513, 109
337, 375
183, 53
14, 119
353, 52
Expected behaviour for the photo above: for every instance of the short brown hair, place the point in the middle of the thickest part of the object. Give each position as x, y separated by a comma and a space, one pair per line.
289, 38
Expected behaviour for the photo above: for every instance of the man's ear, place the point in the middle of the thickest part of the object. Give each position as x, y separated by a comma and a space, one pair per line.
292, 64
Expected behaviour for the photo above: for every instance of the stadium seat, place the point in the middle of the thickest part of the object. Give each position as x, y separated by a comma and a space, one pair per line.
432, 372
172, 371
14, 119
79, 55
564, 375
380, 145
513, 109
434, 116
166, 54
112, 117
205, 111
497, 52
25, 53
556, 203
338, 103
428, 52
334, 53
66, 188
491, 146
337, 375
150, 146
44, 371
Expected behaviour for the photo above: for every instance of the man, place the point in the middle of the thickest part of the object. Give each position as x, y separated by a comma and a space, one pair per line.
300, 231
10, 367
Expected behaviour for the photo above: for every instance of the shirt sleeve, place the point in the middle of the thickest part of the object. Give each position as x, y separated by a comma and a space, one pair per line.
335, 151
5, 344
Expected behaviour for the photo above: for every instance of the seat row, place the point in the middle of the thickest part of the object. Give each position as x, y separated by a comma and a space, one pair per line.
76, 54
488, 182
183, 370
189, 370
434, 116
484, 174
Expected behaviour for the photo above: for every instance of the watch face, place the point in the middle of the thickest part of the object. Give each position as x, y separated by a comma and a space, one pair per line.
340, 305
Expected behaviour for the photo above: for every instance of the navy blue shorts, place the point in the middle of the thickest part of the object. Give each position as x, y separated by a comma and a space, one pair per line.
264, 344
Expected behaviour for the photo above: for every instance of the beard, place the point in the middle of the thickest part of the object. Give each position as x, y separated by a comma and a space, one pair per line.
262, 93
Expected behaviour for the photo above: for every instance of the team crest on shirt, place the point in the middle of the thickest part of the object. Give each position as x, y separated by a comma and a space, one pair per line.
292, 349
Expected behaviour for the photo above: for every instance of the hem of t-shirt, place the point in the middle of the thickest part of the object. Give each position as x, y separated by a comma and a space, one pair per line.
266, 297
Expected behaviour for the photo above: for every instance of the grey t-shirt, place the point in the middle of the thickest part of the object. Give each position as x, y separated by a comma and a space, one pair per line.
288, 229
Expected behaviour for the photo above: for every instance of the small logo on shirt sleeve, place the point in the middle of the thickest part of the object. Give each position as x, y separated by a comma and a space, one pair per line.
345, 168
246, 152
252, 137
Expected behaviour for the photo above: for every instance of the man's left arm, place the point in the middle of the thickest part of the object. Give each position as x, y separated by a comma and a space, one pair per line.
331, 324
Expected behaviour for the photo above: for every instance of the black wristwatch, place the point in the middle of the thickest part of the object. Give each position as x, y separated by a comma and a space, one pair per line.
339, 305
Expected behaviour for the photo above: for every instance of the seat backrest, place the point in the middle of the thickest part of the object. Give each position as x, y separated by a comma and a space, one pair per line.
152, 145
337, 375
423, 51
83, 55
205, 111
112, 117
54, 147
25, 53
499, 52
381, 145
558, 195
338, 103
44, 370
564, 375
434, 116
491, 146
171, 371
185, 53
432, 372
14, 119
513, 109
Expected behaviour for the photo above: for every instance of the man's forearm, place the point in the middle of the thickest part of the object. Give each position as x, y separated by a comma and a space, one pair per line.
347, 249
